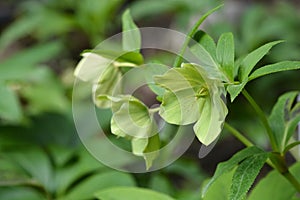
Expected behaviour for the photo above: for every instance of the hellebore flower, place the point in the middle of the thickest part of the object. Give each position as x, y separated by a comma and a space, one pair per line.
105, 71
133, 120
193, 96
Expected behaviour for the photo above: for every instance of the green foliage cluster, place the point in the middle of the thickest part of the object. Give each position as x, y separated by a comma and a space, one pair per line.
40, 155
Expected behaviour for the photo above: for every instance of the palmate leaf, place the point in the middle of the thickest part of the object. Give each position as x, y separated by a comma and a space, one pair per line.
253, 58
131, 35
246, 66
227, 166
234, 90
284, 118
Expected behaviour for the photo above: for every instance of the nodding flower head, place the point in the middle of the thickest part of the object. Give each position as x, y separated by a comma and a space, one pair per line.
191, 96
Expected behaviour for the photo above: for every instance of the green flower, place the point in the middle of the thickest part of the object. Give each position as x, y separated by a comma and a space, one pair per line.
133, 120
193, 97
105, 71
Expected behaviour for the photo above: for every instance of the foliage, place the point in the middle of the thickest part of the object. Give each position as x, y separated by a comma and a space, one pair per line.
40, 156
193, 92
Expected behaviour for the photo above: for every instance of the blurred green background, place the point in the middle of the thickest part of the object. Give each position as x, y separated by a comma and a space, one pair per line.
41, 156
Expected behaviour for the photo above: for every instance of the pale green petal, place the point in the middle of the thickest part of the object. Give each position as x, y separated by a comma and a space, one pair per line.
131, 117
193, 94
152, 150
146, 147
179, 104
139, 145
178, 79
115, 129
91, 66
181, 108
108, 84
210, 123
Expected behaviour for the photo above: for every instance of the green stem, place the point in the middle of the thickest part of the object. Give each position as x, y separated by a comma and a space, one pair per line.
192, 32
243, 139
292, 180
154, 110
277, 165
290, 146
238, 135
277, 162
263, 118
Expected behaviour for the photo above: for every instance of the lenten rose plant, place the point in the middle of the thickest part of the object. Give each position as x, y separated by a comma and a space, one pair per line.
195, 93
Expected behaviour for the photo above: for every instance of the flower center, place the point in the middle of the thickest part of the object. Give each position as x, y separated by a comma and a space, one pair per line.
203, 92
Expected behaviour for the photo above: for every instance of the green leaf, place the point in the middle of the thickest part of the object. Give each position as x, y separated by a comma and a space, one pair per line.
20, 65
225, 54
130, 57
272, 186
207, 42
18, 29
207, 61
219, 188
87, 188
235, 90
284, 118
85, 165
191, 34
161, 183
11, 174
253, 58
130, 193
10, 108
227, 166
131, 35
273, 68
245, 175
43, 82
291, 146
29, 159
20, 193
